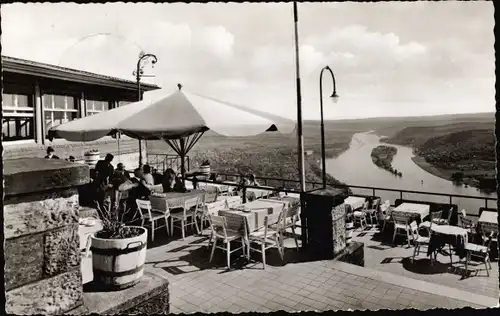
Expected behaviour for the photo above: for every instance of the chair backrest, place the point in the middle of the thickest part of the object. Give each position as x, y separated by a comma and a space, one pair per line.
463, 213
365, 206
387, 202
376, 204
466, 222
190, 203
436, 215
143, 206
401, 219
218, 224
414, 230
450, 213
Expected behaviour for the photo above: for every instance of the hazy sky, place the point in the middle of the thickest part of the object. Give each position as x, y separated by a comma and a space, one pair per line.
389, 58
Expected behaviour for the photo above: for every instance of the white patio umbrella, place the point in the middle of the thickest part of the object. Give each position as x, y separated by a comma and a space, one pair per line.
180, 119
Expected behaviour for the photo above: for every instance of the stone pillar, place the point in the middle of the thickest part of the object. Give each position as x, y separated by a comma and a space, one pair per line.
42, 255
38, 118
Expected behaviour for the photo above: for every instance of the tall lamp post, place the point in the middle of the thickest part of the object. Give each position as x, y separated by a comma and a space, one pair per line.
139, 73
335, 98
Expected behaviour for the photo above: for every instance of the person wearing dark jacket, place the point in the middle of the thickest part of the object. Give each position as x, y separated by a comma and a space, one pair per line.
103, 173
50, 153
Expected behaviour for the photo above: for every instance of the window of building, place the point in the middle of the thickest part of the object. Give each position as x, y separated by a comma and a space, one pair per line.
17, 122
58, 109
94, 107
122, 103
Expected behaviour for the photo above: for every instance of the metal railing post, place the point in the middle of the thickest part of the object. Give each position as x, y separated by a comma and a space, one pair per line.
401, 195
373, 192
451, 200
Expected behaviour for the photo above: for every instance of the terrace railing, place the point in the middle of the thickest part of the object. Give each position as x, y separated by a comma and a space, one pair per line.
470, 203
164, 161
284, 185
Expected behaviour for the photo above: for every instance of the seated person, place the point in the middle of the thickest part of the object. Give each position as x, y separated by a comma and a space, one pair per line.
120, 176
168, 182
213, 177
147, 175
179, 185
252, 181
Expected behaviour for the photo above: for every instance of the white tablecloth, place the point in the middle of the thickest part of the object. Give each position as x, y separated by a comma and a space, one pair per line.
355, 202
85, 231
421, 210
488, 217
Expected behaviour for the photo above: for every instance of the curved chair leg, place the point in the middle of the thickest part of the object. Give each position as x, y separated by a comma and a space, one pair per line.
213, 250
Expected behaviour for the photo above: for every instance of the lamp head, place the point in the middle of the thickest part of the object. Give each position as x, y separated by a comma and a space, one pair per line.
334, 97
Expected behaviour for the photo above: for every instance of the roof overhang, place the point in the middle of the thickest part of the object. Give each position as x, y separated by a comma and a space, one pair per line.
27, 67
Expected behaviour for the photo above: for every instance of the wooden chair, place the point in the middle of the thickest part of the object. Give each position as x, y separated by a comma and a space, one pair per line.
222, 233
419, 241
478, 251
151, 216
434, 218
360, 216
384, 216
373, 212
489, 233
291, 217
267, 237
401, 224
445, 221
187, 216
467, 224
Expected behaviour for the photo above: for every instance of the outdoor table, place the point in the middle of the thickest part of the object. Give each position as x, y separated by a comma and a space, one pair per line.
488, 217
355, 202
253, 194
418, 211
163, 201
442, 235
214, 207
256, 212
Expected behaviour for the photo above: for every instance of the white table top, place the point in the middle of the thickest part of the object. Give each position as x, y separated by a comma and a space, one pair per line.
420, 209
488, 217
355, 201
85, 231
449, 230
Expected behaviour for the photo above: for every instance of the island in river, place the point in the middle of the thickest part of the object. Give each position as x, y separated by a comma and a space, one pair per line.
382, 156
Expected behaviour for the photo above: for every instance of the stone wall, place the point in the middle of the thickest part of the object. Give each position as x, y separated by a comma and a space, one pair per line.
129, 150
42, 256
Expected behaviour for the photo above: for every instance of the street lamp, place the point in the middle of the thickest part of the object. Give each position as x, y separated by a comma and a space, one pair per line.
139, 73
334, 97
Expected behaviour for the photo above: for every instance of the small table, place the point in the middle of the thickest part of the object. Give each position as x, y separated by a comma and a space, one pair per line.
355, 202
446, 234
488, 217
256, 212
419, 211
160, 201
84, 232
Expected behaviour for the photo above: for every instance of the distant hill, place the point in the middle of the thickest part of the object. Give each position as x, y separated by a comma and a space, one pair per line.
464, 157
417, 135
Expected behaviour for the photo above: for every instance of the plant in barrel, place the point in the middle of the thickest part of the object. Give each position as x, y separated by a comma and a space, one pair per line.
118, 250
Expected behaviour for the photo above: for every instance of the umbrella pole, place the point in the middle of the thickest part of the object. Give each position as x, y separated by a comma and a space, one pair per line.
183, 155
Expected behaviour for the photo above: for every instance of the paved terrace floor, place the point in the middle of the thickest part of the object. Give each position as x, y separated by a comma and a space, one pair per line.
382, 255
199, 286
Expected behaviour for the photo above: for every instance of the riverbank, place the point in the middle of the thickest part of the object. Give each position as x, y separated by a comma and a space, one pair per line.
424, 165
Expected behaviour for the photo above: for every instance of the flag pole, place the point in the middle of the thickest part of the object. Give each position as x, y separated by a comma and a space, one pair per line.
300, 136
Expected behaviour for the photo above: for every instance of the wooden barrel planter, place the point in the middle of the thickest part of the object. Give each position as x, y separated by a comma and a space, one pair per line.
119, 263
205, 170
91, 158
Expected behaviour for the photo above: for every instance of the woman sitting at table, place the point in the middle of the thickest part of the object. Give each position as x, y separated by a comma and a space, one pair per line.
252, 181
168, 181
179, 185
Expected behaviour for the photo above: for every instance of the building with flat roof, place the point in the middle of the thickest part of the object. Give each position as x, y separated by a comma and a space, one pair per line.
37, 96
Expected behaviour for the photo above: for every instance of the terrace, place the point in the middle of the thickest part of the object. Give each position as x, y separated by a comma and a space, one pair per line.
388, 279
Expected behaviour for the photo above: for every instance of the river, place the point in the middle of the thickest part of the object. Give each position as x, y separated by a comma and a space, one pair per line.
355, 167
